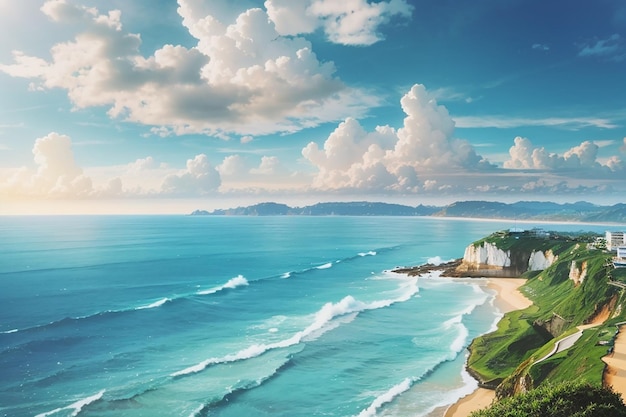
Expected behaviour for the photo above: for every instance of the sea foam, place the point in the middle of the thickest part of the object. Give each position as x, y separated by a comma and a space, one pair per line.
322, 322
154, 305
76, 407
386, 397
235, 282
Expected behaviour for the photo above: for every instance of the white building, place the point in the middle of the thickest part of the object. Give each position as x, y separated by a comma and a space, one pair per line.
614, 240
620, 260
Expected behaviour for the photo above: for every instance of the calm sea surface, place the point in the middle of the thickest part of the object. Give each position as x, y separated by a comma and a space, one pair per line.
235, 316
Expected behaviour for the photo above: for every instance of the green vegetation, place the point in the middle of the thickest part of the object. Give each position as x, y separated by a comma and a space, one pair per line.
562, 400
554, 292
496, 355
573, 291
583, 361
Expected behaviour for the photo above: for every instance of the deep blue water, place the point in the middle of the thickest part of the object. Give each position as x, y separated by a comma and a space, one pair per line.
235, 316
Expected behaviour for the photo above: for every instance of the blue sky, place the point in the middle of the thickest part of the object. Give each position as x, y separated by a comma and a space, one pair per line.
165, 106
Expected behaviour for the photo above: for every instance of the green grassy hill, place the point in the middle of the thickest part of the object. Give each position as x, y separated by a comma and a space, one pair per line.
573, 291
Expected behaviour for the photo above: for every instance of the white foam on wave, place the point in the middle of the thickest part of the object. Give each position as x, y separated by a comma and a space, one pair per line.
286, 275
436, 260
154, 305
323, 321
235, 282
370, 253
197, 411
325, 266
77, 406
10, 331
458, 344
386, 398
469, 386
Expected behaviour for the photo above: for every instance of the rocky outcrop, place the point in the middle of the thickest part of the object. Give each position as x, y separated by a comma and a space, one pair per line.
539, 260
577, 274
487, 255
554, 326
488, 260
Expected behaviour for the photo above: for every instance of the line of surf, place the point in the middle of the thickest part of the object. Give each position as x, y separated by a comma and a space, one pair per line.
240, 388
76, 406
322, 322
330, 264
387, 397
456, 347
232, 283
235, 282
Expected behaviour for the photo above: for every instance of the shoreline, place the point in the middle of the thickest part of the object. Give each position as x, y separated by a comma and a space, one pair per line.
508, 298
615, 372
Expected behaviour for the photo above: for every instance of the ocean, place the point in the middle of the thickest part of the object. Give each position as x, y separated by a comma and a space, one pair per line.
236, 316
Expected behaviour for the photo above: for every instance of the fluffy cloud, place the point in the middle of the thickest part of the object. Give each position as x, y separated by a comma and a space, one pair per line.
580, 160
199, 178
56, 176
390, 159
349, 22
242, 77
239, 174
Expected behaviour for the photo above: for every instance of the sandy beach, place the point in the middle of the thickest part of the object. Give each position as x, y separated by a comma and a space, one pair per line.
508, 298
615, 373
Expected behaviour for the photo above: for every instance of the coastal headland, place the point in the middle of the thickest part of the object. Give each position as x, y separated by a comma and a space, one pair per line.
562, 301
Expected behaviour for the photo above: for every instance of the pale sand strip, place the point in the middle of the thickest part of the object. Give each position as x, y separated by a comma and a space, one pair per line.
508, 298
615, 372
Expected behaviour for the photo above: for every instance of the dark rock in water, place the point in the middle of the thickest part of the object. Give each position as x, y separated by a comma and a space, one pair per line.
448, 268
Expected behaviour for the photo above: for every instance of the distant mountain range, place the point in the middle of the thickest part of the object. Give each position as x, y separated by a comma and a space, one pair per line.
522, 210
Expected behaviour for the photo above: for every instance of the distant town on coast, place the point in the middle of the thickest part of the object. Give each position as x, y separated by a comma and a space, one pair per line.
522, 210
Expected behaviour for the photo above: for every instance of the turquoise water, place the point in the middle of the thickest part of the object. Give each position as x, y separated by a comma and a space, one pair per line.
235, 316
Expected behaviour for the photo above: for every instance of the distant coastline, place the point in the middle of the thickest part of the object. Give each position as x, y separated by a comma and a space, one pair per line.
579, 212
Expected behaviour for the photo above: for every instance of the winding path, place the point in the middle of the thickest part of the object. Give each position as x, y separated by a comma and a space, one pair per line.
565, 343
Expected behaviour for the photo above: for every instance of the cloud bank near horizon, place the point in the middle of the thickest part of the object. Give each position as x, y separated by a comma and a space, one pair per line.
421, 157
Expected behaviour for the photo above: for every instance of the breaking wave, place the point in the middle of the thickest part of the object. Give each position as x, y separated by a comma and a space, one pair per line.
238, 281
75, 407
322, 322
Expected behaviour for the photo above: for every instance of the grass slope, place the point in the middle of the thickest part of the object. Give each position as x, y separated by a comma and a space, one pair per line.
506, 357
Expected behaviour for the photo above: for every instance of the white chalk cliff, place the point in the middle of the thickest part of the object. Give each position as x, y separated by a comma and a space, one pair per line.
486, 254
539, 260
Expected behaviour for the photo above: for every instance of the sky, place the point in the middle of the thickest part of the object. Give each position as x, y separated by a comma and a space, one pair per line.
164, 106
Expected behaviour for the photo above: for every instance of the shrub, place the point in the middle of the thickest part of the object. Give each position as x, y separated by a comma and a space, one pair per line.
572, 399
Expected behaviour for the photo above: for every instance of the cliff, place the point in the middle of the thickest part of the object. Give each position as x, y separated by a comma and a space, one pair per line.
490, 258
571, 283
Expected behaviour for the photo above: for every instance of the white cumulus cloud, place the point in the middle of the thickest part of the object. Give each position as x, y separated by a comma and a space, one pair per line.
580, 160
348, 22
57, 174
242, 77
390, 159
198, 178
